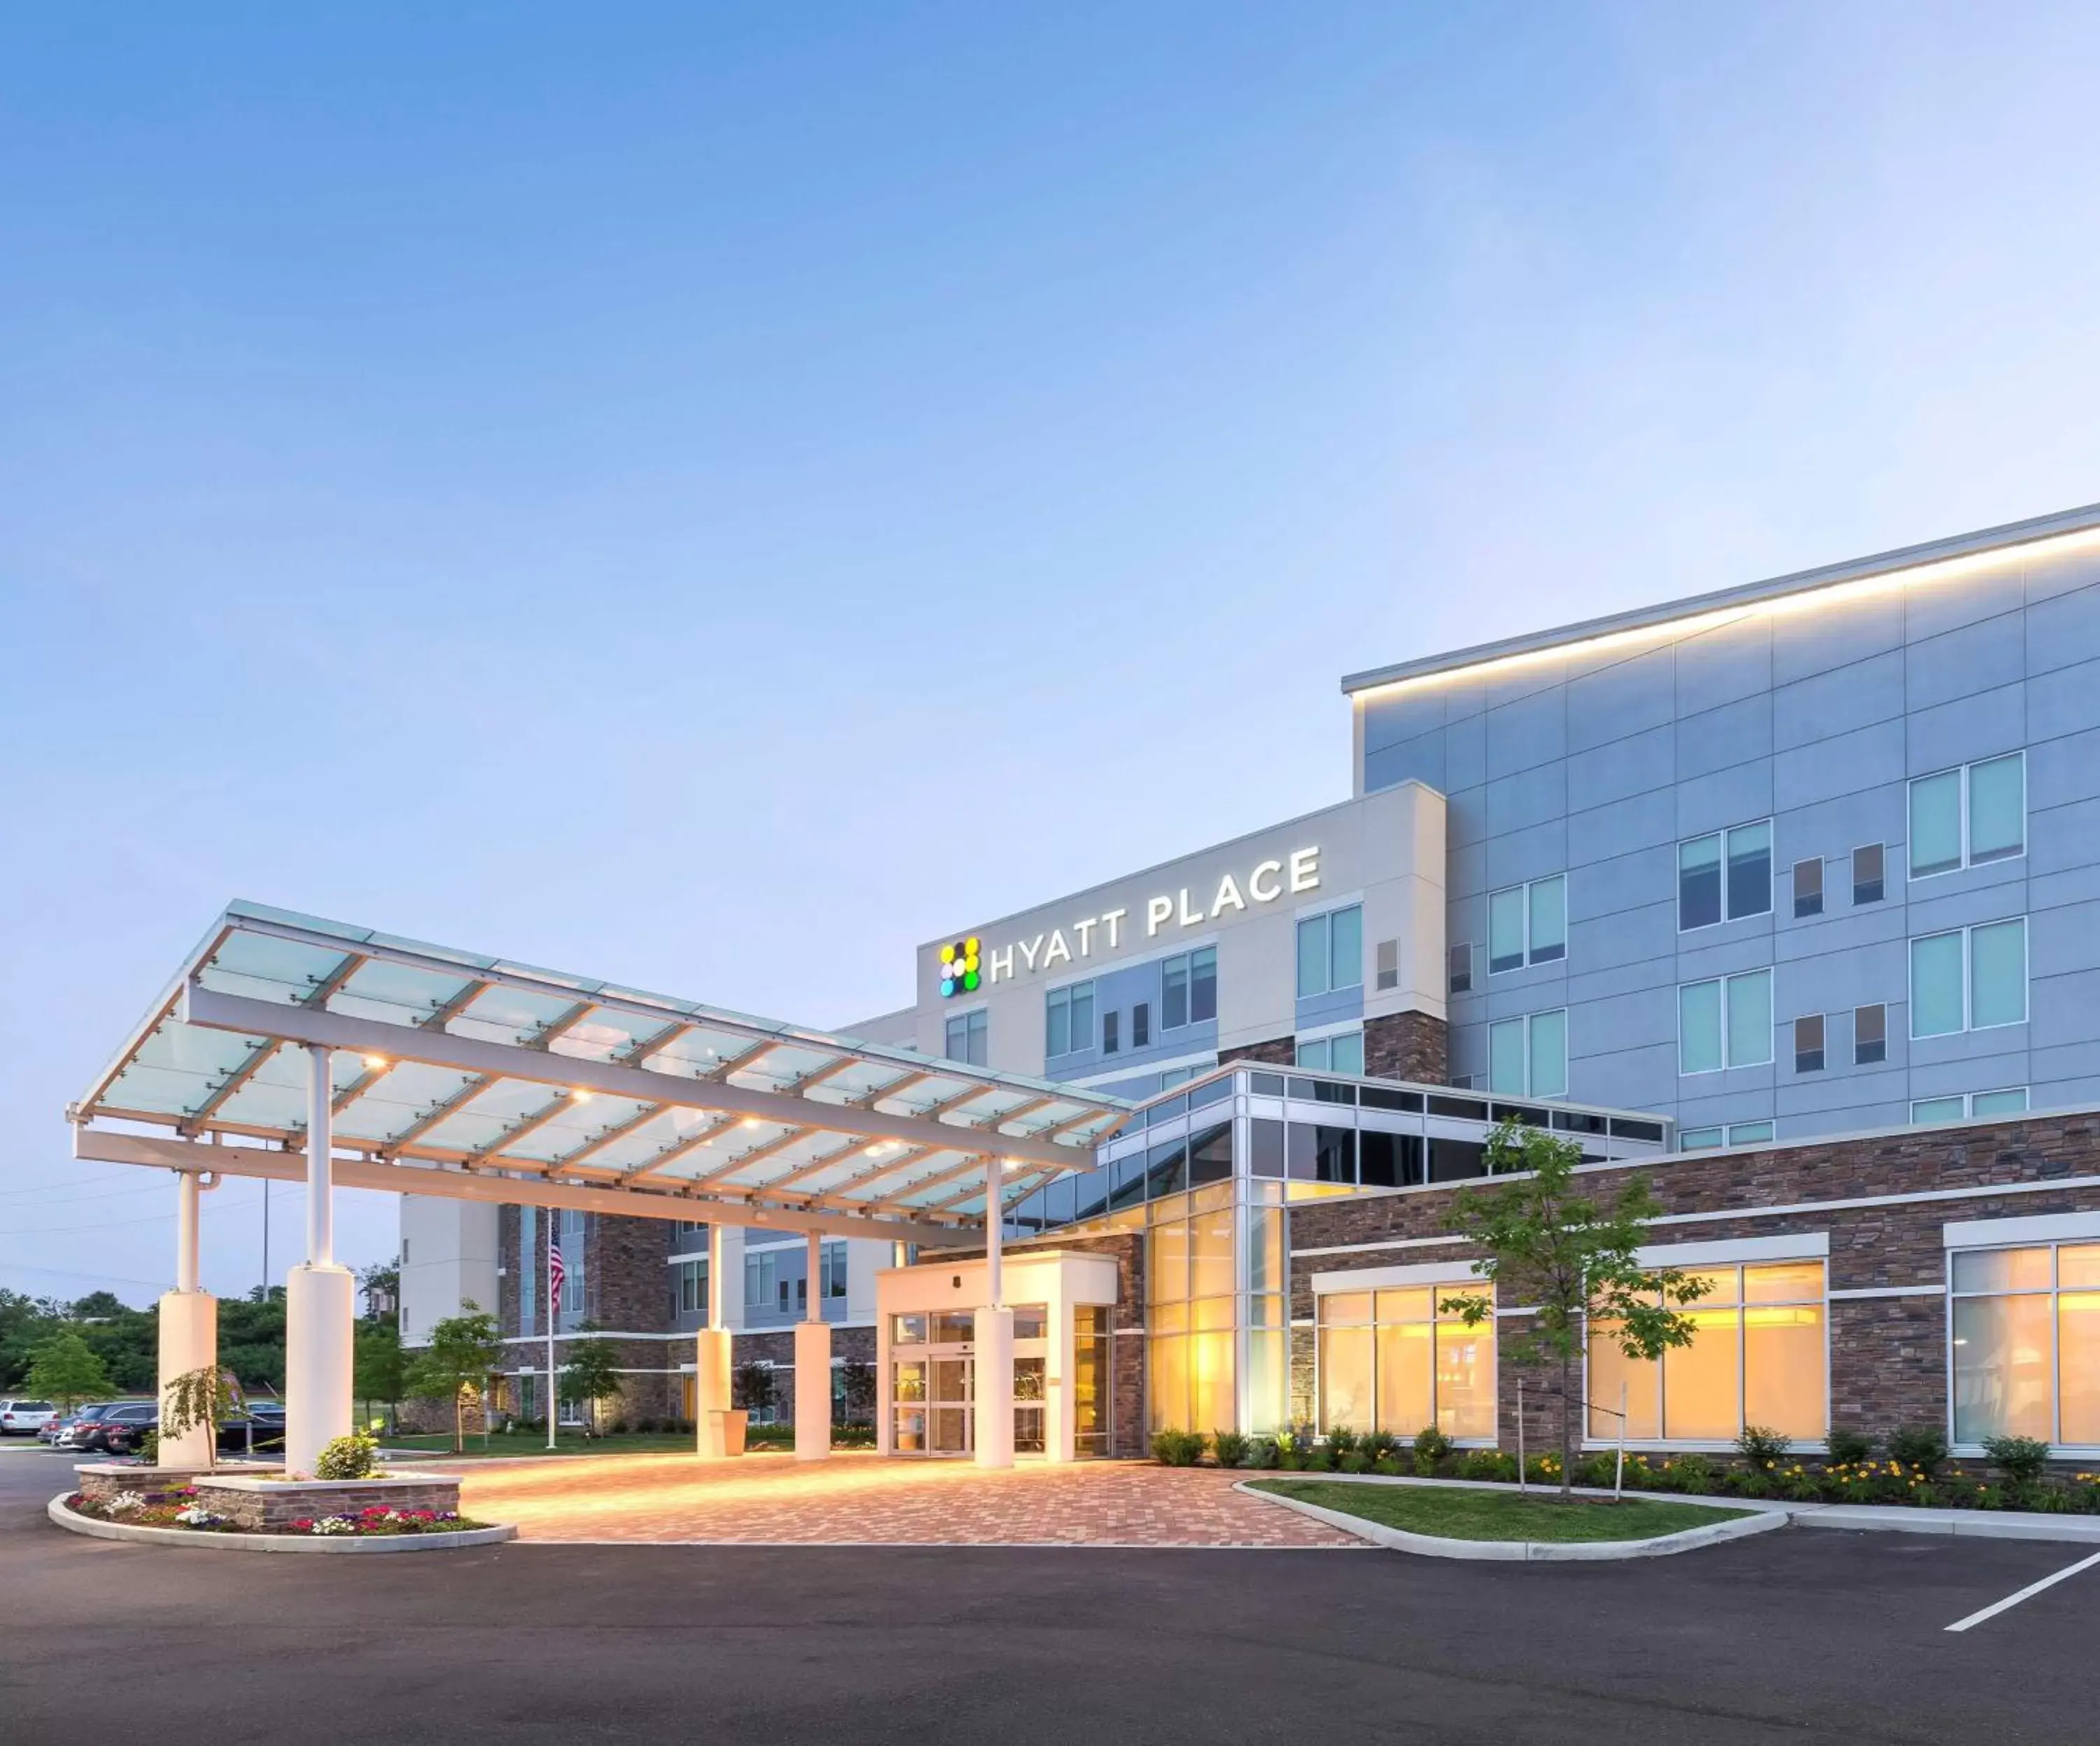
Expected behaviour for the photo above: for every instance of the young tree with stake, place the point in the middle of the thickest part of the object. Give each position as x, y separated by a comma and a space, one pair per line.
464, 1349
1571, 1260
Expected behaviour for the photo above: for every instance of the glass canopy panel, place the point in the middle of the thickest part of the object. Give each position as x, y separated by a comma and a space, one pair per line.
782, 1067
267, 968
391, 994
276, 1096
177, 1067
638, 1144
397, 1099
575, 1125
856, 1081
775, 1165
604, 1036
508, 1014
700, 1051
482, 1121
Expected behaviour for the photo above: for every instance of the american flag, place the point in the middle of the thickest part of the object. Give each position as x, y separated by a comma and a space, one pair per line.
555, 1271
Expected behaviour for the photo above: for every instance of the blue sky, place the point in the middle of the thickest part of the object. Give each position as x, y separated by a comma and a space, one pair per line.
710, 497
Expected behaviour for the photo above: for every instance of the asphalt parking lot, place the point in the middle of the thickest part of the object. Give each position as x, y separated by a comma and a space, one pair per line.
1797, 1636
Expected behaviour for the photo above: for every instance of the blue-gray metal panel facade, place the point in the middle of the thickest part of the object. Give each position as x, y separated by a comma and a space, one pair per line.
1600, 764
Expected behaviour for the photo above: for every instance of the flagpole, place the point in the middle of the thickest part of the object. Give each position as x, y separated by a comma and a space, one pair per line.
551, 1306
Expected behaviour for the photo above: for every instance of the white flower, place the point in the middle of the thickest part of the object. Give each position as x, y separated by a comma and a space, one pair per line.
123, 1503
335, 1525
195, 1515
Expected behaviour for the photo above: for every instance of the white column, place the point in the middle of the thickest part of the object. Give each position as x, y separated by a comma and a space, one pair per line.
189, 1330
995, 1341
320, 1299
813, 1367
711, 1368
1059, 1430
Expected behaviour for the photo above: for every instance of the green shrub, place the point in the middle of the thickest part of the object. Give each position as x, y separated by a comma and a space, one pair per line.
1921, 1446
1747, 1482
1341, 1441
149, 1448
1596, 1471
1388, 1464
1691, 1475
1230, 1447
1487, 1464
1850, 1449
1376, 1445
1543, 1470
1430, 1447
1320, 1458
2022, 1460
1762, 1447
355, 1456
1177, 1448
1355, 1462
1264, 1453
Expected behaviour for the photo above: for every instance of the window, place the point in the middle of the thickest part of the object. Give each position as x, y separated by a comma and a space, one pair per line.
1399, 1360
690, 1285
1750, 1133
1977, 1106
1964, 818
1969, 979
1140, 1026
1726, 876
1870, 1035
1808, 1044
1527, 924
1192, 1303
1726, 1022
1330, 952
1388, 964
1341, 1054
2024, 1324
1188, 989
1111, 1024
967, 1037
1462, 969
1069, 1019
765, 1291
1867, 863
1808, 887
1528, 1057
1757, 1358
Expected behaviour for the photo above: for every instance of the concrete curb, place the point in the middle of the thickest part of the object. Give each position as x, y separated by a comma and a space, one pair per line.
1900, 1519
73, 1522
1517, 1551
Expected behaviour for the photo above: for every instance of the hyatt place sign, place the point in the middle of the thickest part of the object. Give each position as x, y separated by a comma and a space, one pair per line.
1268, 880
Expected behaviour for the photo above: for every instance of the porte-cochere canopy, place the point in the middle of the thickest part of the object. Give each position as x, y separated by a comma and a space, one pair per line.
458, 1074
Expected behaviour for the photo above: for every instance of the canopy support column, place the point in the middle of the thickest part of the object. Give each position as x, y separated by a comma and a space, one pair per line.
189, 1329
321, 1308
713, 1431
813, 1367
995, 1336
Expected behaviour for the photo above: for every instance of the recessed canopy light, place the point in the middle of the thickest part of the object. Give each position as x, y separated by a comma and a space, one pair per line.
375, 1062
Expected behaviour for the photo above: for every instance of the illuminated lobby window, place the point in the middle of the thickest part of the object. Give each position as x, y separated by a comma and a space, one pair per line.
1758, 1357
2025, 1325
1401, 1360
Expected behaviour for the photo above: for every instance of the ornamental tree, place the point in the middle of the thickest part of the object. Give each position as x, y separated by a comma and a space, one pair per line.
463, 1350
1570, 1258
592, 1373
65, 1368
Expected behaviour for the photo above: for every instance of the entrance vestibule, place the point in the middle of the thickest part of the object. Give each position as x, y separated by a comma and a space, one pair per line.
932, 1362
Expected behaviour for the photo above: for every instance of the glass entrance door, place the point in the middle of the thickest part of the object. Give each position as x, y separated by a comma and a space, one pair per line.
951, 1410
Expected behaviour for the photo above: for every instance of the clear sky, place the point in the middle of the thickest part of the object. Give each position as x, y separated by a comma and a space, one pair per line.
709, 497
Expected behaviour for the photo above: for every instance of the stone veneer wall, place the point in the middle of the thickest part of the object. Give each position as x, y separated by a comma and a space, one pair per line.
1888, 1355
1412, 1046
274, 1508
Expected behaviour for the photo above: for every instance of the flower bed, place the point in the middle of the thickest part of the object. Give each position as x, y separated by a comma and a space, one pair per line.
2014, 1482
180, 1507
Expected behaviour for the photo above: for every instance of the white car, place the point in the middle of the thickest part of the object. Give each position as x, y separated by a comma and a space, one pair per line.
25, 1419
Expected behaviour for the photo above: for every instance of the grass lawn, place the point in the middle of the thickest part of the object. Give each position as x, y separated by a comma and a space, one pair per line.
1455, 1514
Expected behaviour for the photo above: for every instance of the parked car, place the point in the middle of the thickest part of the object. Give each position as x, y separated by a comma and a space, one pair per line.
118, 1429
25, 1419
262, 1432
70, 1428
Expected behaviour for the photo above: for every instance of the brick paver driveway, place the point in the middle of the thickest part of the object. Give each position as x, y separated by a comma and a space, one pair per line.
856, 1498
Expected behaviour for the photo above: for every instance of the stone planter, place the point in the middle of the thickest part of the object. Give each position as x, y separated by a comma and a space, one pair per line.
271, 1504
101, 1480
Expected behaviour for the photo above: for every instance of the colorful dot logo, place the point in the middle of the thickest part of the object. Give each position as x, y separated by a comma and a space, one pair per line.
959, 967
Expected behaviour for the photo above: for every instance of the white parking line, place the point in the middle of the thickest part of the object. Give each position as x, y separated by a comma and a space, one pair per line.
2032, 1589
